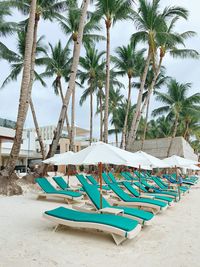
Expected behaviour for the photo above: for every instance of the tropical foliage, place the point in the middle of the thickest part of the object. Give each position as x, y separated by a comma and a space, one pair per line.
83, 54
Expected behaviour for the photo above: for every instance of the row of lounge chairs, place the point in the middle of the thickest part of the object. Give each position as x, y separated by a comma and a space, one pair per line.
124, 210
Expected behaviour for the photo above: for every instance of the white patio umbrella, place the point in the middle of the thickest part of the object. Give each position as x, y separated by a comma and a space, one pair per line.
51, 160
149, 160
97, 154
193, 167
176, 161
60, 159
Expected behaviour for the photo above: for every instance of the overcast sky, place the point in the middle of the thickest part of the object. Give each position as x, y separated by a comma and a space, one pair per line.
48, 105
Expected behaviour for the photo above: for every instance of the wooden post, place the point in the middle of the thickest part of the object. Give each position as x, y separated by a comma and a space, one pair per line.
139, 178
68, 174
100, 180
179, 192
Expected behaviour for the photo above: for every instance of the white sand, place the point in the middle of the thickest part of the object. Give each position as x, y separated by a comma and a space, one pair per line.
27, 239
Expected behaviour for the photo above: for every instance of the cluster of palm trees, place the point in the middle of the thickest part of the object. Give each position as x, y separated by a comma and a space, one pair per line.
98, 72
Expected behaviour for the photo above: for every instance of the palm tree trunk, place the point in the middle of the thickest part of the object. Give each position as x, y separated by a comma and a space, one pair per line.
24, 93
72, 132
133, 131
146, 124
101, 115
37, 129
71, 84
186, 130
116, 136
62, 97
107, 87
91, 116
72, 135
173, 135
141, 111
123, 142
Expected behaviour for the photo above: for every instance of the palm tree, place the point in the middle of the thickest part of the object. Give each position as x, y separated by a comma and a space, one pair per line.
176, 101
160, 81
159, 128
169, 44
91, 64
48, 10
151, 23
58, 65
115, 102
100, 97
6, 28
70, 27
128, 61
190, 118
8, 185
16, 59
111, 11
71, 84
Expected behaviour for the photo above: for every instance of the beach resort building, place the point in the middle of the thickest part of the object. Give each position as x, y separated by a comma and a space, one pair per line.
30, 150
159, 147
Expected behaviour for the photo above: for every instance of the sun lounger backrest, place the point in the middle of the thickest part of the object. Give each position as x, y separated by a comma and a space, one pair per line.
61, 182
161, 182
94, 195
126, 176
119, 192
91, 179
81, 179
45, 185
158, 182
139, 175
131, 189
106, 178
112, 177
139, 185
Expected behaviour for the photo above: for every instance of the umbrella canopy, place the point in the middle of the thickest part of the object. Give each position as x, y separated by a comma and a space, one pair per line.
193, 167
60, 159
98, 152
176, 161
148, 160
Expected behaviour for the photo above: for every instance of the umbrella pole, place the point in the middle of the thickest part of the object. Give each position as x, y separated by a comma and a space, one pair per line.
139, 179
179, 192
100, 179
68, 174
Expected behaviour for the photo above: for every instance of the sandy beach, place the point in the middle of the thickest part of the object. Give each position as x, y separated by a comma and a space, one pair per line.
27, 239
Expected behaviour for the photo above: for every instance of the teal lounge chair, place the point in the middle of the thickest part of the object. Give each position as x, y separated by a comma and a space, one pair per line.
61, 182
157, 191
94, 182
126, 200
119, 227
164, 186
51, 191
143, 217
128, 176
135, 193
112, 178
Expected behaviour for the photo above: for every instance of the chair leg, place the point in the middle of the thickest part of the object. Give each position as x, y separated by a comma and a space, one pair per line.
118, 239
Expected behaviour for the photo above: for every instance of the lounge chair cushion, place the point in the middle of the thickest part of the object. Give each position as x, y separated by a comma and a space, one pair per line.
120, 222
49, 189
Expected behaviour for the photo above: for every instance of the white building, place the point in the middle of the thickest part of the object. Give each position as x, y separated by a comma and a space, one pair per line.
30, 149
28, 146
